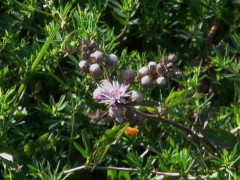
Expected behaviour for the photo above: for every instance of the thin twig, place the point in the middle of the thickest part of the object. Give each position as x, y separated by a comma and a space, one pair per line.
123, 31
171, 174
121, 169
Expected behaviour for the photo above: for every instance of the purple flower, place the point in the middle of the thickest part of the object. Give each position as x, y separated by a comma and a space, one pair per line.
111, 93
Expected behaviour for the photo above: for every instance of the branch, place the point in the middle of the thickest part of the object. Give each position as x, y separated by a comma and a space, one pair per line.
171, 174
179, 126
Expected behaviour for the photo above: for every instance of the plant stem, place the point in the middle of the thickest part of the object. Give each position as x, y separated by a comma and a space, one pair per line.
179, 126
123, 31
107, 73
171, 174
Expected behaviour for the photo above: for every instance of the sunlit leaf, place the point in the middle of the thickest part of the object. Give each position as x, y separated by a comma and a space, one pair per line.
30, 147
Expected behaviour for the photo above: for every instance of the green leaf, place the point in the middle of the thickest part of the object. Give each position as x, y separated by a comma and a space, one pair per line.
124, 175
86, 143
8, 160
220, 137
32, 168
119, 19
30, 147
45, 46
177, 97
81, 149
151, 110
104, 143
111, 174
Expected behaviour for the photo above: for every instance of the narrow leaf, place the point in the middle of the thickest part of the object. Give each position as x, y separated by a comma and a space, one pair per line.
109, 138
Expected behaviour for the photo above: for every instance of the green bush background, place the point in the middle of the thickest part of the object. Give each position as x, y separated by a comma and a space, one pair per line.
45, 100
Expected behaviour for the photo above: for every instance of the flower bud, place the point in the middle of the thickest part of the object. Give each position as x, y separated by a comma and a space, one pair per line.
115, 112
111, 61
84, 66
84, 48
93, 44
84, 55
169, 66
97, 93
143, 71
161, 81
97, 56
146, 81
136, 97
178, 74
160, 69
95, 70
172, 57
128, 75
165, 60
152, 67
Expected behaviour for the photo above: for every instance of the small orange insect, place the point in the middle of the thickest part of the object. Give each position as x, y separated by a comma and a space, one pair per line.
131, 131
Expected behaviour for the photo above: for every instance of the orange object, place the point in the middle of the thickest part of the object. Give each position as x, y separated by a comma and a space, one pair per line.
131, 131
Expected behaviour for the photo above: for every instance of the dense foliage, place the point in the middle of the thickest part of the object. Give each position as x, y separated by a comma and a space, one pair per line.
46, 102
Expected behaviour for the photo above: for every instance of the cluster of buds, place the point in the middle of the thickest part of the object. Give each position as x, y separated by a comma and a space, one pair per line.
159, 73
118, 96
94, 59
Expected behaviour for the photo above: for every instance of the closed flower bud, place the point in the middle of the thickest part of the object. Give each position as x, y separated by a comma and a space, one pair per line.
115, 112
111, 61
128, 75
160, 69
95, 70
84, 48
84, 55
165, 60
84, 66
169, 65
97, 93
97, 56
143, 71
172, 57
136, 97
178, 74
146, 81
152, 67
93, 44
161, 81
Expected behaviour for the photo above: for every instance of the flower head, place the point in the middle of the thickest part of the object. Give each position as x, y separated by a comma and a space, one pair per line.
111, 93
